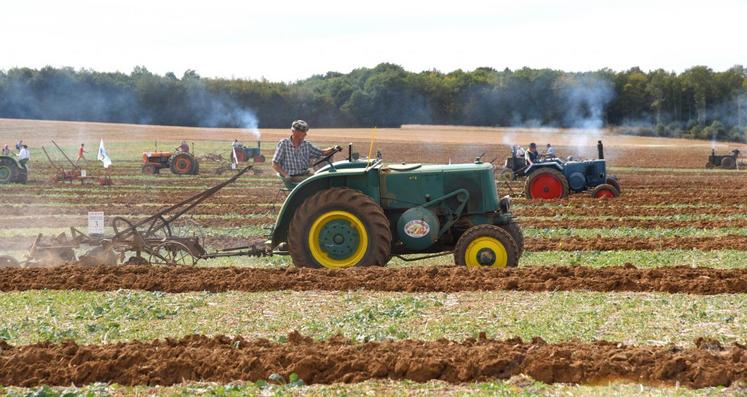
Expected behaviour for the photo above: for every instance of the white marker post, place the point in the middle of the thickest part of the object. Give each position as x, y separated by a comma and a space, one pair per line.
95, 223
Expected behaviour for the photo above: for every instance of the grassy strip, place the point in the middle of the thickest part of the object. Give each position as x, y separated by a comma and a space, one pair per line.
632, 318
518, 386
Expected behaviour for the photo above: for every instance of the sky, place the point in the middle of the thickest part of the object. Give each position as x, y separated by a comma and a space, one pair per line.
280, 40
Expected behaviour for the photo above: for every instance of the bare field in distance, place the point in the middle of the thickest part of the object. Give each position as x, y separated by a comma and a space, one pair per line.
412, 143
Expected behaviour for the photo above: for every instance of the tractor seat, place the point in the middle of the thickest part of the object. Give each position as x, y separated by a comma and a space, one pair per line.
403, 167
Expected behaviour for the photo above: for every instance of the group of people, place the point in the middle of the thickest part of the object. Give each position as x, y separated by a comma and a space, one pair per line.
23, 152
531, 155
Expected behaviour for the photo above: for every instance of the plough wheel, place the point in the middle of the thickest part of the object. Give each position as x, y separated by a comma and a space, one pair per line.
546, 184
172, 253
8, 261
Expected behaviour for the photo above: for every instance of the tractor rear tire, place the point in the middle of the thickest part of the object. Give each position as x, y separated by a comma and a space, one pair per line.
546, 183
728, 163
339, 228
611, 180
8, 170
514, 230
182, 163
605, 191
486, 246
196, 168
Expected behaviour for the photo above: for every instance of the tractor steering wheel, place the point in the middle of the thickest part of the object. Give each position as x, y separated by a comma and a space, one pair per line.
328, 158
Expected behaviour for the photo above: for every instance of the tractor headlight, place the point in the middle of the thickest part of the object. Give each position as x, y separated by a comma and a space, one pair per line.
505, 204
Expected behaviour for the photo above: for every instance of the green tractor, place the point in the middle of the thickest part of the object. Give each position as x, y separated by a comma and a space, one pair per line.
12, 171
363, 212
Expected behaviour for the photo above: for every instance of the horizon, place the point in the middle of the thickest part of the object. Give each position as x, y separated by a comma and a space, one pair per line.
287, 42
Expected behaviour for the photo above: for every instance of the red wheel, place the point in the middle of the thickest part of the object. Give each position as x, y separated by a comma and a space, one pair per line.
546, 184
605, 191
182, 163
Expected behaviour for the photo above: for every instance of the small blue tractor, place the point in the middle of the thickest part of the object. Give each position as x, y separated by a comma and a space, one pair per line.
554, 178
241, 153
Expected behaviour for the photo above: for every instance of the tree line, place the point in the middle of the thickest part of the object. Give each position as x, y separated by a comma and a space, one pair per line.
697, 103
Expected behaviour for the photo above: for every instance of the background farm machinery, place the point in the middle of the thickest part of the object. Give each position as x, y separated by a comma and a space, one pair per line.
179, 162
241, 153
76, 173
553, 178
725, 161
12, 171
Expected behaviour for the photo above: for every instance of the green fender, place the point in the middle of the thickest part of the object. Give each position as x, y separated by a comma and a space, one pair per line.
361, 179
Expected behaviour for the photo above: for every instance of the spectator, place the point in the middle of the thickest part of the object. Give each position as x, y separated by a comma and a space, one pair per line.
23, 156
81, 153
6, 150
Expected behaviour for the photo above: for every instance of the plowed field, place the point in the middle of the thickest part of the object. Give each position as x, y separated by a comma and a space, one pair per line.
671, 209
224, 359
432, 279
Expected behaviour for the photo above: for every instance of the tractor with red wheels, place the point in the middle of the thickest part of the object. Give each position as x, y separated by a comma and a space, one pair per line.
555, 178
180, 163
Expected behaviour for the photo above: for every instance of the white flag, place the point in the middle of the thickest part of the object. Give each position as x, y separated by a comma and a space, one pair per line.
102, 156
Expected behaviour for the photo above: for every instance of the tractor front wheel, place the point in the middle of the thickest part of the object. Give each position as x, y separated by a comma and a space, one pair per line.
611, 180
514, 230
339, 228
546, 184
149, 169
605, 191
486, 246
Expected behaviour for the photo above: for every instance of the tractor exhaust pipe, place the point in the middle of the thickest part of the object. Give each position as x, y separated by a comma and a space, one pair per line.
600, 149
350, 152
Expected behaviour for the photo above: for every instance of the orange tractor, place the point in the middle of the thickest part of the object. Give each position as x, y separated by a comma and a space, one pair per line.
180, 163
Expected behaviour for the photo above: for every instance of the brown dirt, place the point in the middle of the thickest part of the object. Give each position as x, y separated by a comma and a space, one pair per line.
679, 279
223, 359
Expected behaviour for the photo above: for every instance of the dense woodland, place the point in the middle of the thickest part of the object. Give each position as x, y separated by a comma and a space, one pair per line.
698, 103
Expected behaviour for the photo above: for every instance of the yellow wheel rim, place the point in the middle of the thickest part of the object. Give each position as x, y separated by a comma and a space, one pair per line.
486, 252
338, 239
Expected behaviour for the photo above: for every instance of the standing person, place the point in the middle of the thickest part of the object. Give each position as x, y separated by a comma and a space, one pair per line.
292, 155
23, 156
236, 144
550, 151
81, 153
531, 155
6, 150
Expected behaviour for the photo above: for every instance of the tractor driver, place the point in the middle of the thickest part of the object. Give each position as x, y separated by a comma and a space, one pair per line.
531, 155
293, 154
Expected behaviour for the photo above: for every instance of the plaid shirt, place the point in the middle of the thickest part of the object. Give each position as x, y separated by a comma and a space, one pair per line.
295, 160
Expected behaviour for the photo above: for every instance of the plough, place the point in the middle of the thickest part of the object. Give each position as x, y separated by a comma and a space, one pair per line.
162, 238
